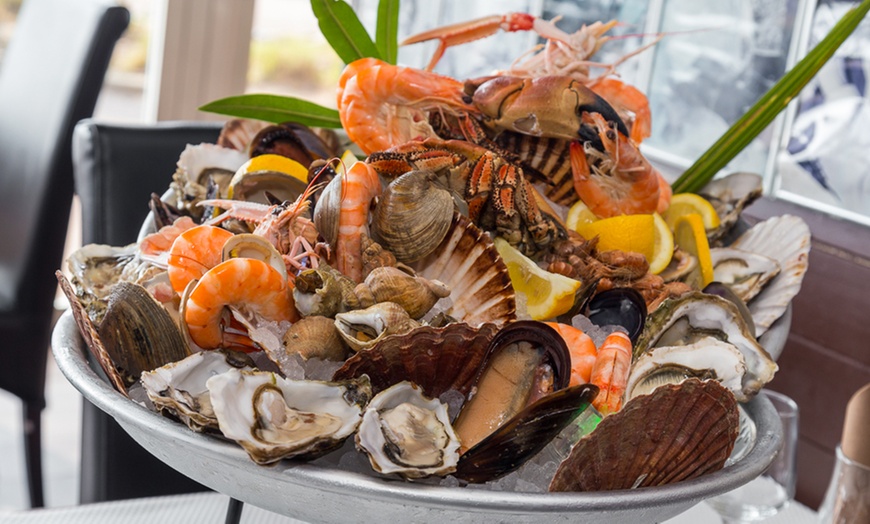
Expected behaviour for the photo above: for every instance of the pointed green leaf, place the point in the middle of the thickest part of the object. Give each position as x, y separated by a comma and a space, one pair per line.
343, 30
276, 109
765, 110
387, 34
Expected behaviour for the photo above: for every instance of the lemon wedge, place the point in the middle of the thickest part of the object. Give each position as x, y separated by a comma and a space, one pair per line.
687, 203
579, 215
689, 234
271, 162
548, 295
663, 246
623, 233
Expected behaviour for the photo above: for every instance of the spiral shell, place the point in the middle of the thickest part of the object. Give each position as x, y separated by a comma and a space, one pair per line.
415, 294
363, 328
413, 216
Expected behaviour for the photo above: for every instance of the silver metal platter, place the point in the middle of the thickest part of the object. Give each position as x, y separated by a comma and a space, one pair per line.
320, 494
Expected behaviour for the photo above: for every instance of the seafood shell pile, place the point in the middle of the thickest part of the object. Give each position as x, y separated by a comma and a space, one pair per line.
363, 306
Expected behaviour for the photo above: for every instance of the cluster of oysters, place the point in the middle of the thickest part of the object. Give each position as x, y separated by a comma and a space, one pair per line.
472, 391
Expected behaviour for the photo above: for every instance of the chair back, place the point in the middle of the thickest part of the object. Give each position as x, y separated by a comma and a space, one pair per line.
117, 167
50, 76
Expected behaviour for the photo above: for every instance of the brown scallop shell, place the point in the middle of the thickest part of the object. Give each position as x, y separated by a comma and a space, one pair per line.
469, 264
436, 359
678, 432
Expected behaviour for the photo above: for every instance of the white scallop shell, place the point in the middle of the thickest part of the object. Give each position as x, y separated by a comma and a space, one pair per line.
469, 264
786, 239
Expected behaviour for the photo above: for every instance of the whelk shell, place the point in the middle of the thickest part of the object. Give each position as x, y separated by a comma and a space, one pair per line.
363, 328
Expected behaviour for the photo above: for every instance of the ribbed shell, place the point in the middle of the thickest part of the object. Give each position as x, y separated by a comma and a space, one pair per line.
785, 239
436, 359
676, 433
468, 263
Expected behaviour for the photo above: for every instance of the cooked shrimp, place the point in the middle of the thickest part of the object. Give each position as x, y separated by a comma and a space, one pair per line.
193, 253
616, 179
582, 350
382, 105
610, 372
162, 240
249, 286
358, 187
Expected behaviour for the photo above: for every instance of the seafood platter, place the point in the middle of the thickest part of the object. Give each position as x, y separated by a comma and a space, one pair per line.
478, 300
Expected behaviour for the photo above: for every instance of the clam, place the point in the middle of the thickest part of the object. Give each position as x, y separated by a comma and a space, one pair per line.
468, 263
746, 273
407, 433
414, 293
363, 328
326, 212
178, 388
413, 216
274, 418
315, 337
695, 316
785, 239
676, 433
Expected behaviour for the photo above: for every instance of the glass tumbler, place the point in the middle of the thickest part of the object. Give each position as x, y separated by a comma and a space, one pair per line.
848, 498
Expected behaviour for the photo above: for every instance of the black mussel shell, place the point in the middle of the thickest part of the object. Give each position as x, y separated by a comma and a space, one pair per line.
556, 352
292, 140
620, 306
524, 435
725, 291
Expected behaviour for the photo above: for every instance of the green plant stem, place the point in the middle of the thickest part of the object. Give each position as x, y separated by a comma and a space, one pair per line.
765, 110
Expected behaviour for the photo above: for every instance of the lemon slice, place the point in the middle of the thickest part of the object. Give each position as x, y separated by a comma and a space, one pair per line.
347, 159
689, 234
686, 203
271, 162
548, 295
579, 215
623, 233
663, 246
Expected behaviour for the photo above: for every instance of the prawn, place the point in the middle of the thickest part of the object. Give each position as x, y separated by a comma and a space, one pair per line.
610, 372
194, 252
160, 241
382, 105
615, 179
359, 186
582, 350
247, 286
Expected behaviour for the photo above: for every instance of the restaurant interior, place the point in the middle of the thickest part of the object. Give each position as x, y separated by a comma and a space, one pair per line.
98, 98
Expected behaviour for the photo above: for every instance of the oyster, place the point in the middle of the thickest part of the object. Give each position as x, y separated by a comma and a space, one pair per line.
413, 216
274, 418
730, 195
676, 433
708, 358
695, 316
404, 432
179, 387
200, 162
786, 239
745, 272
363, 328
468, 263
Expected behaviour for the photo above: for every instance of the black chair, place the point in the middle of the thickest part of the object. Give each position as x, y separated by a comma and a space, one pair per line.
117, 167
50, 77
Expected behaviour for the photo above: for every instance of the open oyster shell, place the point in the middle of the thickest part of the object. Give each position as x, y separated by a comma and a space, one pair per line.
696, 316
678, 432
404, 432
274, 418
746, 273
179, 387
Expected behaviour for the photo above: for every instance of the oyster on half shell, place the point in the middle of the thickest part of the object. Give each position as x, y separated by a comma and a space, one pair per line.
745, 272
694, 318
404, 432
274, 418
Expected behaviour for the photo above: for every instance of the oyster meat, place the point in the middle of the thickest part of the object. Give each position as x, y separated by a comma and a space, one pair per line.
274, 418
746, 273
404, 432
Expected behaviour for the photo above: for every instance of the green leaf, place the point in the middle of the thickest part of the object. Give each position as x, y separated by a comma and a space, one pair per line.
387, 33
276, 109
343, 30
765, 110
